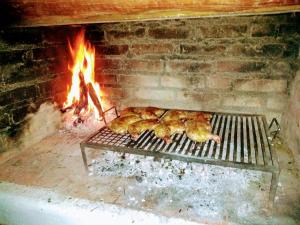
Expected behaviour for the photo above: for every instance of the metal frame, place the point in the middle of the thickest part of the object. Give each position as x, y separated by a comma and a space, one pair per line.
278, 128
273, 168
104, 112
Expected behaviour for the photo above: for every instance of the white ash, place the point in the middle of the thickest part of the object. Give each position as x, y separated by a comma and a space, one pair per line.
193, 189
41, 124
89, 123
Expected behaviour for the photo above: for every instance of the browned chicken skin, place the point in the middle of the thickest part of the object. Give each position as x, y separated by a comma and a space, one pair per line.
186, 115
200, 132
166, 129
136, 120
143, 112
120, 125
135, 129
175, 115
199, 116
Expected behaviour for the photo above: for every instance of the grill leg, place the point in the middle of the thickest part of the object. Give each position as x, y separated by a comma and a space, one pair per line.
274, 184
84, 158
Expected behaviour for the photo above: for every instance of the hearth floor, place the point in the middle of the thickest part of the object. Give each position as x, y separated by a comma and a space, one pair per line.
55, 163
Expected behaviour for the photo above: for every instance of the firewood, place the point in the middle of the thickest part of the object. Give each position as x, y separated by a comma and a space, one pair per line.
83, 100
94, 98
64, 110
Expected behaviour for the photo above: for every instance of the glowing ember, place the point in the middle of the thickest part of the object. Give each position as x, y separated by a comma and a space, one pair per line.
84, 93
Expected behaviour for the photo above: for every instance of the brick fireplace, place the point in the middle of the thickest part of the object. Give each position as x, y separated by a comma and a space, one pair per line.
240, 65
244, 64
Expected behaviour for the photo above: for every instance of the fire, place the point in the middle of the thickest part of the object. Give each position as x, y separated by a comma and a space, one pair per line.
80, 96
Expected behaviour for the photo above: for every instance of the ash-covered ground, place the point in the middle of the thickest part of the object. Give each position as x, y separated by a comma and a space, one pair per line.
194, 190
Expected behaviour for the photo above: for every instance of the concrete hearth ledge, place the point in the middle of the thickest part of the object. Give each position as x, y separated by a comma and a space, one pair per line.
35, 206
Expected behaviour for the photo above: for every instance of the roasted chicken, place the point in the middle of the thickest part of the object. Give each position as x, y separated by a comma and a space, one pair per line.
135, 129
166, 129
143, 112
120, 124
136, 120
200, 131
199, 116
175, 115
129, 112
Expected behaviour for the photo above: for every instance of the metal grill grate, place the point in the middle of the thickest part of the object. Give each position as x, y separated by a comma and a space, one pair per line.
244, 144
243, 140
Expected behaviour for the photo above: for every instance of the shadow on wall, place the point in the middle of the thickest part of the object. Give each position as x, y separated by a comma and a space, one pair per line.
9, 14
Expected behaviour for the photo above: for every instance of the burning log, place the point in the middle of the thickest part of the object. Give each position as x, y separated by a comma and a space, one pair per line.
84, 95
94, 98
83, 101
64, 110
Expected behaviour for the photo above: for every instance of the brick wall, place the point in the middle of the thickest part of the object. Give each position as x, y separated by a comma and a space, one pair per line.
291, 120
235, 64
33, 68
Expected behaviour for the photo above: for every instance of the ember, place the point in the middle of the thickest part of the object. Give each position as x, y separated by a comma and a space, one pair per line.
84, 95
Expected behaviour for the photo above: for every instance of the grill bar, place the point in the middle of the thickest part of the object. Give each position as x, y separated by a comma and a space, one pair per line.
244, 144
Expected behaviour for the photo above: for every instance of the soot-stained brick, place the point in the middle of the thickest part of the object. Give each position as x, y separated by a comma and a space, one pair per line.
166, 33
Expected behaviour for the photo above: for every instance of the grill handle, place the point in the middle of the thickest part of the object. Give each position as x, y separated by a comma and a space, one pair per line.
275, 132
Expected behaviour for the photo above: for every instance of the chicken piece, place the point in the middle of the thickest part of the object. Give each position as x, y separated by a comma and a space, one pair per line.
135, 129
176, 126
120, 124
175, 115
200, 132
157, 111
163, 131
166, 129
149, 112
129, 112
199, 116
143, 112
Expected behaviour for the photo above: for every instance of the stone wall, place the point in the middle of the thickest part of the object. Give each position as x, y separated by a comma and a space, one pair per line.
235, 64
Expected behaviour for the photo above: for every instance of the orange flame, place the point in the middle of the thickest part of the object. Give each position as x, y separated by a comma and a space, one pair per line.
83, 57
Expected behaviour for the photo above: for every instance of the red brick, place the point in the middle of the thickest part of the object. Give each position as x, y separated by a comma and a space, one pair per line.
176, 81
50, 52
240, 66
262, 85
151, 94
261, 30
167, 33
221, 31
187, 66
183, 81
140, 49
139, 81
111, 49
141, 65
126, 33
281, 68
219, 82
289, 29
203, 50
252, 50
202, 99
111, 92
108, 64
105, 79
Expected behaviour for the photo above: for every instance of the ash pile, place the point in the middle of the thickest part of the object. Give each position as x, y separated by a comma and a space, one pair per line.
193, 190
